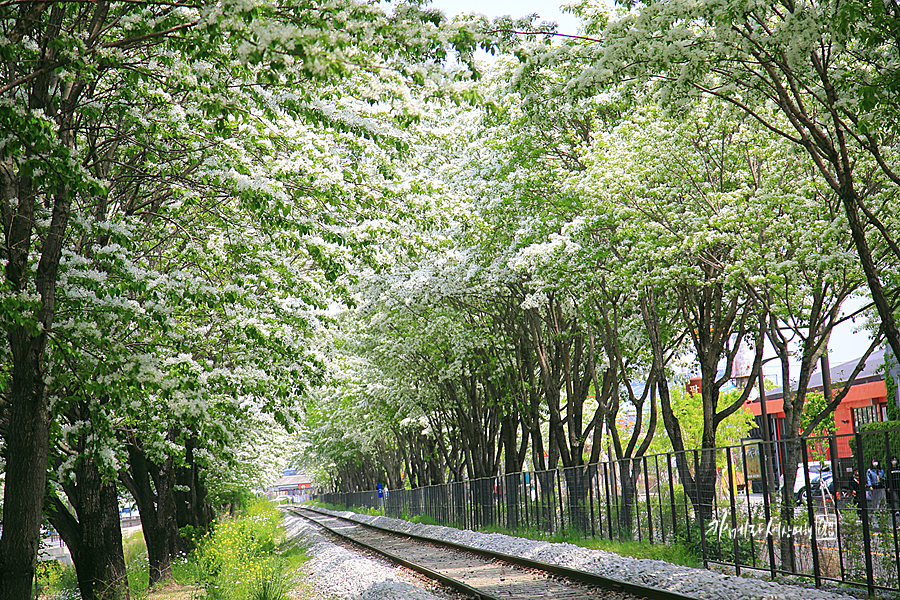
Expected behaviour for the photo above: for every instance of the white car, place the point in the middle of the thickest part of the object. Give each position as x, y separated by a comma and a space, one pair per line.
818, 474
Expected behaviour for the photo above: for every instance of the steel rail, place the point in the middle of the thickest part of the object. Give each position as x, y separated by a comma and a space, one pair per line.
609, 583
430, 573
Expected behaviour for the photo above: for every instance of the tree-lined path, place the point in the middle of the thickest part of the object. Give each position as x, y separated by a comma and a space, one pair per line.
240, 232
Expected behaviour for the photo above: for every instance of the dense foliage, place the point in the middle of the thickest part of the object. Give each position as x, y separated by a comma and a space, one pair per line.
181, 187
229, 223
676, 190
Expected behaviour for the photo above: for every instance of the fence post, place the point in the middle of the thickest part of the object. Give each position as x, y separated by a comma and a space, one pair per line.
767, 510
528, 480
686, 497
649, 505
832, 450
614, 474
608, 505
591, 471
562, 523
734, 536
700, 510
659, 501
747, 500
864, 509
672, 495
635, 498
887, 505
811, 515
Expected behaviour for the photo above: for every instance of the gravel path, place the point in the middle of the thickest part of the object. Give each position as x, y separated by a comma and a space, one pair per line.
698, 583
338, 573
494, 579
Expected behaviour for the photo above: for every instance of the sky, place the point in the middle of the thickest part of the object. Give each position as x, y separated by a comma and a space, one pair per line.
547, 9
845, 344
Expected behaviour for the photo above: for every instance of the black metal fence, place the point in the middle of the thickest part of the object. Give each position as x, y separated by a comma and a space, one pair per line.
727, 503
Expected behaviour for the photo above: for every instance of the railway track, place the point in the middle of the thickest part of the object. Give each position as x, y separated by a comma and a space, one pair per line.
480, 573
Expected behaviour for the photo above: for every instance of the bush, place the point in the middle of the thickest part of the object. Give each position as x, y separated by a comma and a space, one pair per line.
365, 510
55, 581
681, 504
231, 501
873, 442
423, 520
677, 553
238, 559
720, 548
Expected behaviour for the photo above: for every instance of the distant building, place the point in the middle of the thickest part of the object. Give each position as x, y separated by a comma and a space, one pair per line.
290, 488
864, 403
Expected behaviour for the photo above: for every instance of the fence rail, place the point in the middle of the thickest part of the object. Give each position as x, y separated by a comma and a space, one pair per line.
727, 503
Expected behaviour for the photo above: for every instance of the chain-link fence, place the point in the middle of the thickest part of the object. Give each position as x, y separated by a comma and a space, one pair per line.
813, 507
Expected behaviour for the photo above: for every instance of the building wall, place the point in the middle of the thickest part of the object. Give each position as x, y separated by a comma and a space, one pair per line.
872, 394
295, 494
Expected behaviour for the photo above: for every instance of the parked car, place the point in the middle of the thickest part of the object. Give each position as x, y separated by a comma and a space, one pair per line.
819, 475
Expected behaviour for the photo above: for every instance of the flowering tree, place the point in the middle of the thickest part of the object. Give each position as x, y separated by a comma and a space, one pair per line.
804, 278
822, 76
652, 246
629, 229
86, 120
819, 80
673, 186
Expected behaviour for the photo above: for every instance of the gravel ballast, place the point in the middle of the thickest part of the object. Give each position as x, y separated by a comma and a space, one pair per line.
698, 583
335, 572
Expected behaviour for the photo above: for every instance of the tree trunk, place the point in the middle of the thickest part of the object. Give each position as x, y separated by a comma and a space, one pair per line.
546, 481
703, 492
670, 420
629, 494
513, 500
95, 537
577, 488
192, 506
28, 430
791, 449
151, 487
850, 200
27, 443
513, 458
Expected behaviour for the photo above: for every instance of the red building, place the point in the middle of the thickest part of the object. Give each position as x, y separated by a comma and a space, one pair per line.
864, 403
290, 488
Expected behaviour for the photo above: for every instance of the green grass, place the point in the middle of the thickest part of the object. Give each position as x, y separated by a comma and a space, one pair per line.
374, 512
53, 580
184, 571
360, 510
243, 558
423, 519
677, 554
325, 505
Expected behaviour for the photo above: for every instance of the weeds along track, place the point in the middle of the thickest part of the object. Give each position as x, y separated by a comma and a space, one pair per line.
480, 573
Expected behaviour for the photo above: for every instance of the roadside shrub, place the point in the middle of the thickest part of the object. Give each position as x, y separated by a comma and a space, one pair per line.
873, 442
238, 559
55, 581
719, 547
